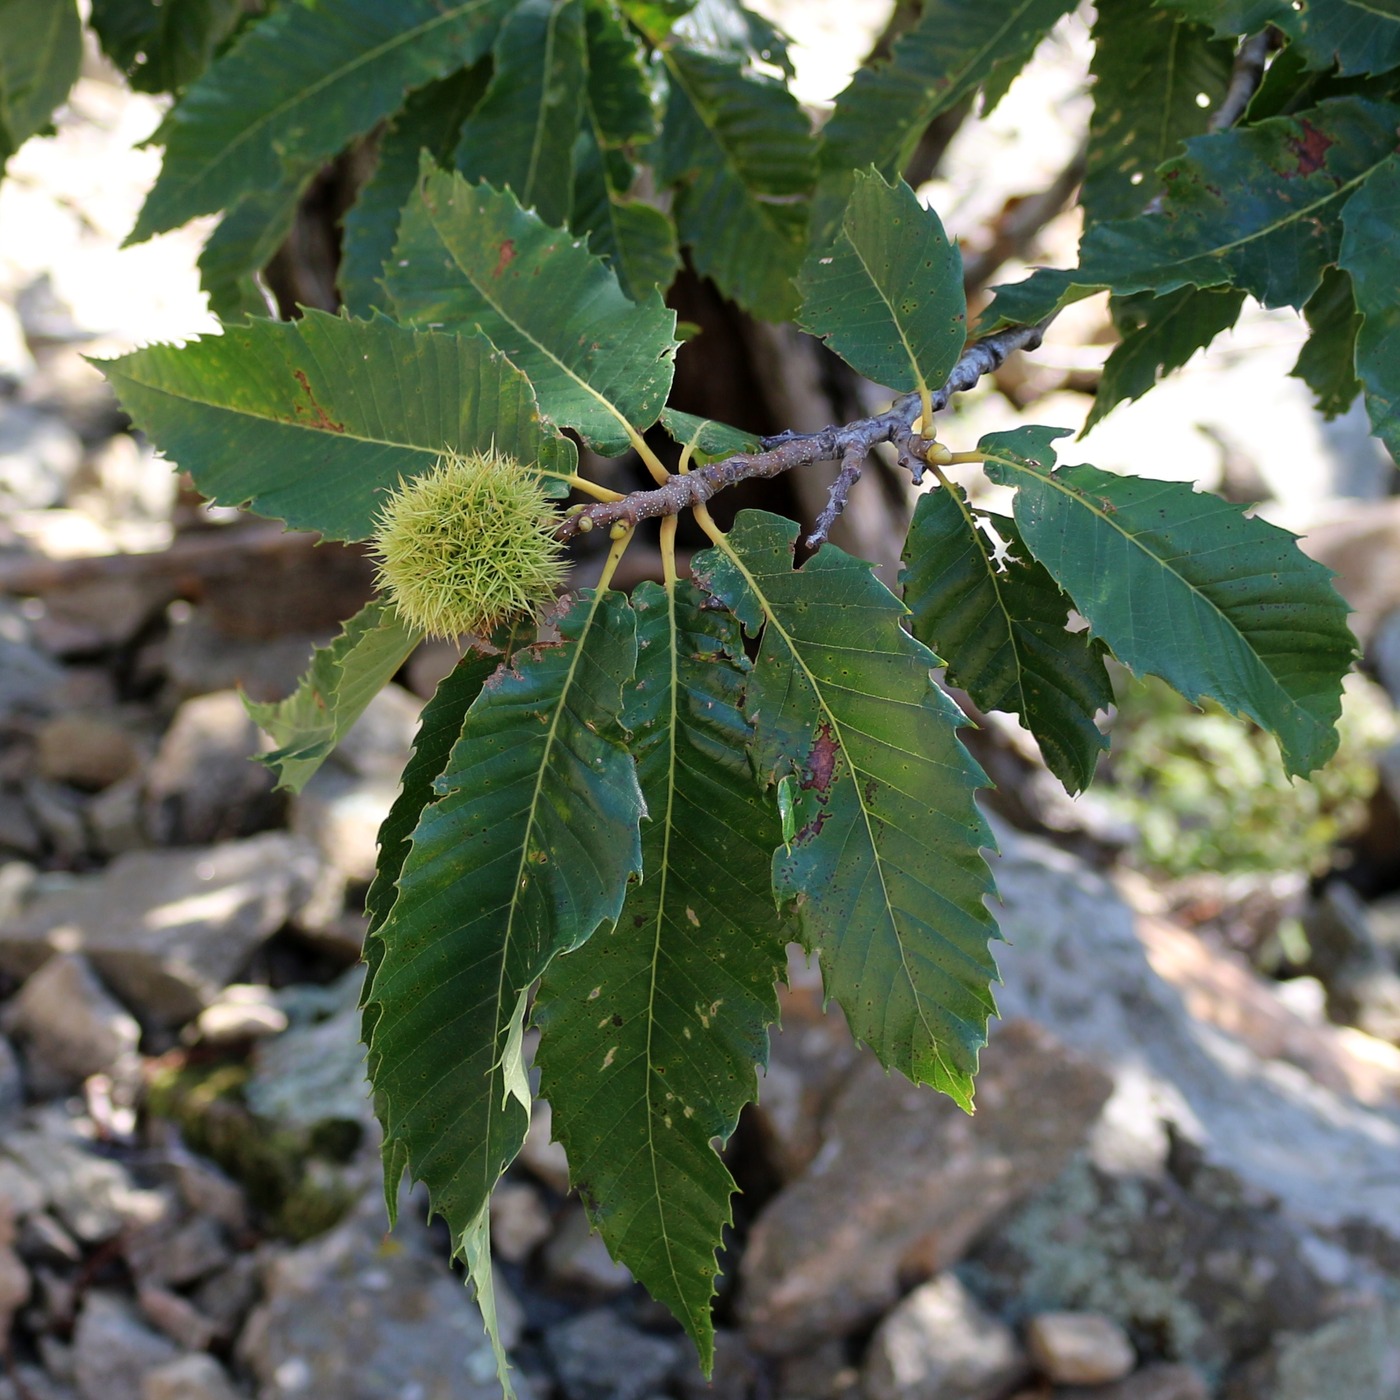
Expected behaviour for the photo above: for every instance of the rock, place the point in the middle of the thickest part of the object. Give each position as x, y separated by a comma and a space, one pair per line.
115, 821
809, 1058
14, 1287
821, 1372
242, 1012
939, 1343
57, 812
1079, 1348
30, 683
199, 658
38, 1385
1078, 963
340, 815
193, 1377
378, 744
541, 1156
347, 1318
11, 1085
1160, 1381
314, 1074
71, 1026
113, 1351
93, 1196
18, 833
173, 1257
208, 1192
598, 1357
203, 785
577, 1257
168, 930
227, 1297
519, 1221
39, 454
806, 1275
737, 1374
1354, 1357
86, 752
177, 1317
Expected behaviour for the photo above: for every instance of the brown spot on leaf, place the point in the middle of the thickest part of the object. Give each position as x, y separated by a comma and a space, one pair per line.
506, 257
1311, 148
821, 761
316, 416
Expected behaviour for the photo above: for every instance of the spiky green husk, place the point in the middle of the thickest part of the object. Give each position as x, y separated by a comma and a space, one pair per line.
468, 545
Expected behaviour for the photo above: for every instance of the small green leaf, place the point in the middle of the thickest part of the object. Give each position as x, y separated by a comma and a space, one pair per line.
521, 137
474, 1247
1183, 585
162, 48
468, 255
887, 295
1254, 207
708, 439
740, 151
39, 60
886, 874
1327, 363
297, 87
729, 29
1150, 69
431, 121
651, 1032
944, 58
1370, 254
1159, 335
1001, 629
527, 849
618, 97
344, 677
312, 421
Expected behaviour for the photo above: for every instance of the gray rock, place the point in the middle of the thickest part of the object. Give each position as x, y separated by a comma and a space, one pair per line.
208, 1192
58, 814
1079, 1348
737, 1373
1163, 1380
1354, 1357
598, 1357
71, 1025
14, 1286
241, 1012
806, 1275
344, 1317
519, 1221
30, 683
340, 815
167, 930
176, 1317
819, 1372
227, 1297
1206, 1281
115, 821
38, 1385
315, 1073
18, 833
86, 751
939, 1343
193, 1377
577, 1257
1076, 964
203, 785
113, 1350
199, 658
540, 1155
39, 454
93, 1196
378, 744
168, 1254
11, 1084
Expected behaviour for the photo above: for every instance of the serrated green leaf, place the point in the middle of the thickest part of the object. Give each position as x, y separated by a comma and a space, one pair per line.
39, 59
296, 88
163, 47
528, 848
1183, 585
708, 439
1327, 363
468, 255
618, 96
887, 295
728, 28
344, 677
1370, 254
439, 726
740, 151
1001, 629
430, 121
651, 1032
943, 59
521, 137
886, 873
655, 18
245, 242
1359, 36
1159, 335
1253, 207
1150, 67
636, 238
311, 421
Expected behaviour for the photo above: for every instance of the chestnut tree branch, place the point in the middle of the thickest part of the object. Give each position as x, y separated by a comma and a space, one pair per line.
847, 444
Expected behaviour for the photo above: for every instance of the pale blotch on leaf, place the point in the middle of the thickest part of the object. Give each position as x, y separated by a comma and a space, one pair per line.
468, 545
